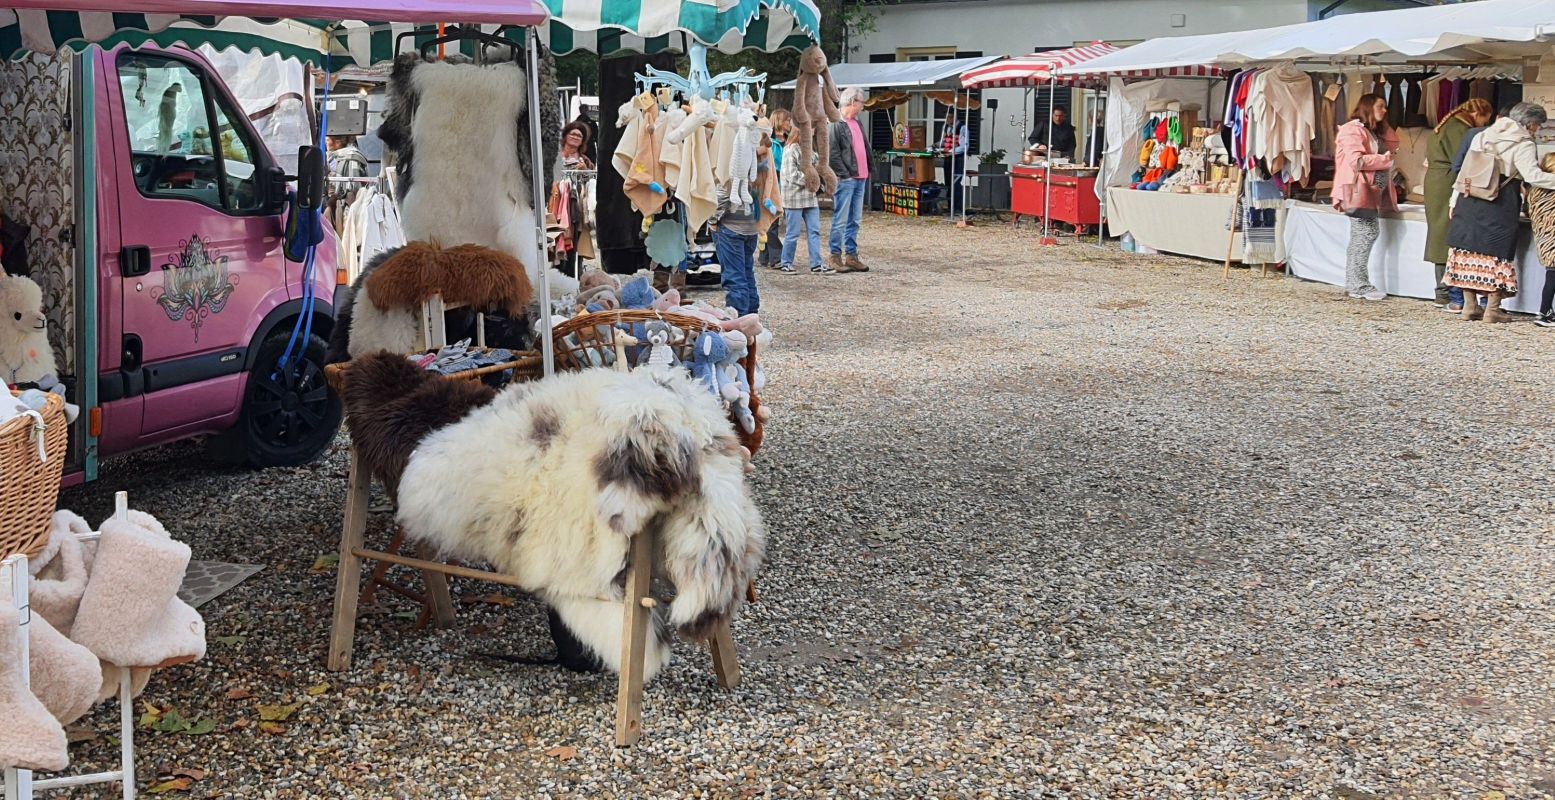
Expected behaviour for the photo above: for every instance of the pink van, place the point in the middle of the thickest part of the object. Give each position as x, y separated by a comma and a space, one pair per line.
169, 297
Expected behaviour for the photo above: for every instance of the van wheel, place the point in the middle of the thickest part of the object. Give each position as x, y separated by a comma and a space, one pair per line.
289, 417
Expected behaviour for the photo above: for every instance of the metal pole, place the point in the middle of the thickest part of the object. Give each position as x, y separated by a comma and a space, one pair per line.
547, 347
967, 150
1047, 183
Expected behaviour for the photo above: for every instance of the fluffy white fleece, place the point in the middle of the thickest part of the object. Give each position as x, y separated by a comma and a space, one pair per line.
549, 482
468, 187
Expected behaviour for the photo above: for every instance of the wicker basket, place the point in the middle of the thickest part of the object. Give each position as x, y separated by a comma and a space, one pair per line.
29, 489
588, 340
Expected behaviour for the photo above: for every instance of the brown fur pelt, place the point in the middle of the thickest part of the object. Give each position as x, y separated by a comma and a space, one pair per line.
404, 98
391, 405
815, 105
469, 274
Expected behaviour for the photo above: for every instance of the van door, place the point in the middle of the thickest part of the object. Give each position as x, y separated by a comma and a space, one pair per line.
199, 255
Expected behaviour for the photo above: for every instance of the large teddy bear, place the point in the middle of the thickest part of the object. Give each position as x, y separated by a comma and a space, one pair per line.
815, 105
25, 354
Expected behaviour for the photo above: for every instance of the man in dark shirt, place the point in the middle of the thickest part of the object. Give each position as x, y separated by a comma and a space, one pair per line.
1063, 138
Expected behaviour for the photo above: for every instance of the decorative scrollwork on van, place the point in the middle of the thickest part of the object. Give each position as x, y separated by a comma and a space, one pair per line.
195, 285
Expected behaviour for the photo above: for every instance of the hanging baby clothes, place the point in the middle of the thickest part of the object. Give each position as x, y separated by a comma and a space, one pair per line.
644, 180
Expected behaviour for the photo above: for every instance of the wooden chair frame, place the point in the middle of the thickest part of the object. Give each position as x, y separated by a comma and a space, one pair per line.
639, 602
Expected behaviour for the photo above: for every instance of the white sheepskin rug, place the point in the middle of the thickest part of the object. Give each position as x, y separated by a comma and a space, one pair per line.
551, 480
469, 188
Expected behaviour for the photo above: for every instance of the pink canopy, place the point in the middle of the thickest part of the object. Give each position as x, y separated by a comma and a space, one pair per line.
490, 12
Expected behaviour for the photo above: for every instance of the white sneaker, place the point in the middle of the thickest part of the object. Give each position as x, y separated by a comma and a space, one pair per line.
1373, 295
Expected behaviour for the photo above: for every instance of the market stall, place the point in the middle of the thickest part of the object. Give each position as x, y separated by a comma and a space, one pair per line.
1423, 61
906, 90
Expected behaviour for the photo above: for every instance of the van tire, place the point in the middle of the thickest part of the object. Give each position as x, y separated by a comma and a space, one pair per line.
285, 422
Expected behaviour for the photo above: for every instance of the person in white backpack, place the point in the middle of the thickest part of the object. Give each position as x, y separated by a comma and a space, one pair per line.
1482, 238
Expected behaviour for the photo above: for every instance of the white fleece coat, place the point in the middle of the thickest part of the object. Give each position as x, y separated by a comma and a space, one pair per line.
552, 479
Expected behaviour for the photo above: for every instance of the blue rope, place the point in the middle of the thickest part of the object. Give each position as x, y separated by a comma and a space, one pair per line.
304, 324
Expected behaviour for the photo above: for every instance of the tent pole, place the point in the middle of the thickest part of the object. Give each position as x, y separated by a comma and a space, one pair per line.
1047, 182
547, 347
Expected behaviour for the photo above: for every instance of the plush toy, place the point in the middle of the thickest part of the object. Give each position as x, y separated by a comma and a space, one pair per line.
735, 386
25, 354
742, 165
709, 352
815, 105
660, 354
638, 293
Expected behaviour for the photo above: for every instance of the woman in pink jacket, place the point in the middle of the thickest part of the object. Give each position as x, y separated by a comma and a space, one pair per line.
1363, 186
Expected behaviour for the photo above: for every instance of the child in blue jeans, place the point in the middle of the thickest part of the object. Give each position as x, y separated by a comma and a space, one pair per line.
801, 212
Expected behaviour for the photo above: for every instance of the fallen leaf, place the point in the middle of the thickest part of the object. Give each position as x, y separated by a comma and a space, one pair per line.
563, 753
231, 641
497, 599
1493, 796
200, 727
191, 774
80, 733
325, 563
315, 691
272, 728
278, 713
175, 785
238, 694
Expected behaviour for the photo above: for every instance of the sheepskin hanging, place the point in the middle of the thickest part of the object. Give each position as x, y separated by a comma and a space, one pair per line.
461, 134
550, 480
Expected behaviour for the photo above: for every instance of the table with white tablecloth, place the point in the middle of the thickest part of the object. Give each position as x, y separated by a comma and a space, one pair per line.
1184, 224
1317, 237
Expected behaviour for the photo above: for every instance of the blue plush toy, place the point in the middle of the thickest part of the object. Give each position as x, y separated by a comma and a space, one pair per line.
710, 349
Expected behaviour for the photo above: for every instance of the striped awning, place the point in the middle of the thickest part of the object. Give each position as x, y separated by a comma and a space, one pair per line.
649, 26
1034, 69
601, 26
1070, 67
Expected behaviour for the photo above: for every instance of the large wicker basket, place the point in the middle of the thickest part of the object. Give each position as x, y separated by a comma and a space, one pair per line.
29, 488
588, 340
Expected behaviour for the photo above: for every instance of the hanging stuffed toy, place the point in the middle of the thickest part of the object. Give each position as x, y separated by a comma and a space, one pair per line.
815, 105
698, 188
644, 184
742, 166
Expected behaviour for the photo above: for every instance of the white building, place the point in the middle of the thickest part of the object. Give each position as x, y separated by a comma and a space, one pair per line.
933, 29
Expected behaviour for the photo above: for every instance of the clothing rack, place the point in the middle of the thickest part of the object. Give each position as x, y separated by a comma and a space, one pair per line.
19, 783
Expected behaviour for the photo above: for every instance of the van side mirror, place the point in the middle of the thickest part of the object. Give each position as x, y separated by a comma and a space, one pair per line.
310, 178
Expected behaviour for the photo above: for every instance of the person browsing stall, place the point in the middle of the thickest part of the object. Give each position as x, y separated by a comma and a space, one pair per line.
850, 161
1062, 133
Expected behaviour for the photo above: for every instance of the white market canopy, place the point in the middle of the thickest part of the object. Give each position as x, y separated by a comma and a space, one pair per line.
942, 74
1476, 31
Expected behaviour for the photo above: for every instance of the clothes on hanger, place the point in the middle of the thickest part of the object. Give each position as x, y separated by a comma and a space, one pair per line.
369, 226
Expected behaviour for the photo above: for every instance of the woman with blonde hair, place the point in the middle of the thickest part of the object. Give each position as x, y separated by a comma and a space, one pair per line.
1440, 151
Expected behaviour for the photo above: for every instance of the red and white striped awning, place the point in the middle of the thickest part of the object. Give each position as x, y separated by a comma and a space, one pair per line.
1033, 69
1067, 67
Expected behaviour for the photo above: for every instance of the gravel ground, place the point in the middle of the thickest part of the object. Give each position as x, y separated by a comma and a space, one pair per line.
1056, 522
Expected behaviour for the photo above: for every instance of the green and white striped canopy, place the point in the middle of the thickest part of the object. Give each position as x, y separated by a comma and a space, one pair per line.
601, 26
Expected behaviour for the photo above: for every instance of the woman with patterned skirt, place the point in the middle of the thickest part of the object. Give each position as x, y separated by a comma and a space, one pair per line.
1482, 240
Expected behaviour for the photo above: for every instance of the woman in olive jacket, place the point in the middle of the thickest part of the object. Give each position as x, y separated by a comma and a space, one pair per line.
1440, 151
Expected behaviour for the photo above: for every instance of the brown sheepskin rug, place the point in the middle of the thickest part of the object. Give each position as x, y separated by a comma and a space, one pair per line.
391, 405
